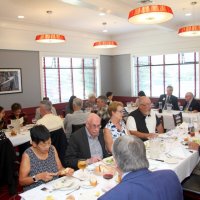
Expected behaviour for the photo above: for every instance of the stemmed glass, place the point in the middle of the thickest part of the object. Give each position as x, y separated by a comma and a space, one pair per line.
82, 164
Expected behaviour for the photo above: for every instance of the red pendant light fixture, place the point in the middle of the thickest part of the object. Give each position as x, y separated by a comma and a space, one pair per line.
105, 44
190, 31
50, 38
151, 14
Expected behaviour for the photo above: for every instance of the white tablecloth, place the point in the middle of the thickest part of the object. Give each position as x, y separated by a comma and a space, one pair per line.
187, 160
20, 138
169, 121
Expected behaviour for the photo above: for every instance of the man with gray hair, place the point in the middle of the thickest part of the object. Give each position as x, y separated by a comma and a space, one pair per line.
51, 121
90, 104
191, 104
77, 117
137, 181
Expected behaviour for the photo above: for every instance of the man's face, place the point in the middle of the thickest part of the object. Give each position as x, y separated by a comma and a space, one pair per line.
93, 127
42, 110
169, 91
188, 97
100, 103
145, 107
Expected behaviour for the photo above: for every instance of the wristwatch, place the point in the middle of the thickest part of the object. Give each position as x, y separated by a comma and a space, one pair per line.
34, 179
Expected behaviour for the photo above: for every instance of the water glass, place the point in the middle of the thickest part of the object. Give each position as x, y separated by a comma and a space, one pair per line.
169, 107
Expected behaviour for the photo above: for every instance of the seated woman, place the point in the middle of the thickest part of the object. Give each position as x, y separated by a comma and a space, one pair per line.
69, 107
2, 118
40, 163
109, 96
17, 113
115, 126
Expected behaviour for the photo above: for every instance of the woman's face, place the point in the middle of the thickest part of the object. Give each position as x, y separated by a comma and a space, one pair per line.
118, 113
43, 147
17, 112
2, 114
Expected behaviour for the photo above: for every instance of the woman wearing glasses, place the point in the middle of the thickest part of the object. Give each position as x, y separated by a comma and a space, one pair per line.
115, 127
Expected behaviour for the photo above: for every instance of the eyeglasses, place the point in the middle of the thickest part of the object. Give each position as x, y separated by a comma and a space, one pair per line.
120, 111
94, 126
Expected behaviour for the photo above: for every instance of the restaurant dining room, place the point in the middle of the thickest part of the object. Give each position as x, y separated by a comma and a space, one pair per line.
99, 100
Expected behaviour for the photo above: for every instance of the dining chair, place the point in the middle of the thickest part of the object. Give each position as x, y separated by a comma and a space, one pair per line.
191, 187
178, 118
76, 127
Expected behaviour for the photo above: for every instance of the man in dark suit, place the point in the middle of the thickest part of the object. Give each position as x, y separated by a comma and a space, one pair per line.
168, 98
191, 104
86, 143
138, 183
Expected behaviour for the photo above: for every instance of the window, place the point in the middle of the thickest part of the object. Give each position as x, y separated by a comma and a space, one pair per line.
64, 77
155, 73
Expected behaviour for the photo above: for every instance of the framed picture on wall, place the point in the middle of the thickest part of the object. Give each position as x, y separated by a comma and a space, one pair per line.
10, 81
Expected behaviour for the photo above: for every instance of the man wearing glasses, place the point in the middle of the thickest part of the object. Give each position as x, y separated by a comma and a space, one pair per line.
143, 122
86, 143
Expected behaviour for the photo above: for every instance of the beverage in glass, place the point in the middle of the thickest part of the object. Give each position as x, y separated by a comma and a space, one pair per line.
82, 164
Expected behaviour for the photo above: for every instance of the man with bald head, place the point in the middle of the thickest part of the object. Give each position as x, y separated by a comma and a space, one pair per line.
86, 143
143, 122
191, 104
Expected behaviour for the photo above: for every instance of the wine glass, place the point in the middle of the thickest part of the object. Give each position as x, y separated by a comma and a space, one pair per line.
82, 164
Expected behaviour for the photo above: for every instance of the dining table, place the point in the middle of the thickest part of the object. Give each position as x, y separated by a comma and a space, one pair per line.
173, 155
20, 137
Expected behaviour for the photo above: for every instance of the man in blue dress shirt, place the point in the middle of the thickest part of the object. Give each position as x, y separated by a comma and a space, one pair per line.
138, 183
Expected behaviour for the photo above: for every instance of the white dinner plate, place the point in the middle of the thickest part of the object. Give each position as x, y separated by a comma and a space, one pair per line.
171, 160
66, 183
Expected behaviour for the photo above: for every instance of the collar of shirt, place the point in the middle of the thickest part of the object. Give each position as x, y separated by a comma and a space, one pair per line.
89, 135
124, 174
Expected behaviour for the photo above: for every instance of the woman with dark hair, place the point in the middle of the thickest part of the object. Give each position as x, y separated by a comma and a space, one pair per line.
17, 113
2, 118
109, 96
40, 162
69, 107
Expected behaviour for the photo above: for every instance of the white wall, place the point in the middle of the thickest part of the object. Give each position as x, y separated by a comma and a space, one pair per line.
155, 43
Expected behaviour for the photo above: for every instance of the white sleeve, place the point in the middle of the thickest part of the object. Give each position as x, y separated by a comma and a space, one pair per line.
130, 124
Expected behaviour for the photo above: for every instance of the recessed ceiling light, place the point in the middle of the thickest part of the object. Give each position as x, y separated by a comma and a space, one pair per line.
188, 14
105, 31
20, 17
102, 14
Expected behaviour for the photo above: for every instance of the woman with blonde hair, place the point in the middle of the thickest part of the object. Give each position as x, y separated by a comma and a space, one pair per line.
115, 127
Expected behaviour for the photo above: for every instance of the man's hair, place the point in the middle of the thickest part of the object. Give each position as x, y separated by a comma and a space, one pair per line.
130, 153
103, 98
78, 102
47, 104
91, 95
170, 87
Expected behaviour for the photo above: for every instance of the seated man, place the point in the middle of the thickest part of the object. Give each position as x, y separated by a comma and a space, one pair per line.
77, 117
37, 111
191, 104
86, 143
103, 110
51, 121
168, 98
143, 122
137, 181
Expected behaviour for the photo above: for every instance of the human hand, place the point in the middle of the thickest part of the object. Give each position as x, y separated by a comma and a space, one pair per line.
45, 176
93, 159
66, 172
152, 135
193, 145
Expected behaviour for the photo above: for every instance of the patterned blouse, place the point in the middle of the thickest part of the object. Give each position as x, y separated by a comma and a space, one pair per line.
38, 166
116, 132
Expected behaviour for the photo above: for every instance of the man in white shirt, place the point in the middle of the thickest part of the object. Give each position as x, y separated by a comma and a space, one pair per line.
77, 117
143, 122
51, 121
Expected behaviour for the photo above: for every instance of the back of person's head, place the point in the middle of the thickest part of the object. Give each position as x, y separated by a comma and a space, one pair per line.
108, 94
113, 107
141, 94
78, 102
70, 103
130, 153
16, 106
102, 98
45, 99
47, 105
39, 133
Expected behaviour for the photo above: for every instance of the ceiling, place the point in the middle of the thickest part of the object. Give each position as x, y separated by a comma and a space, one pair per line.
83, 15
